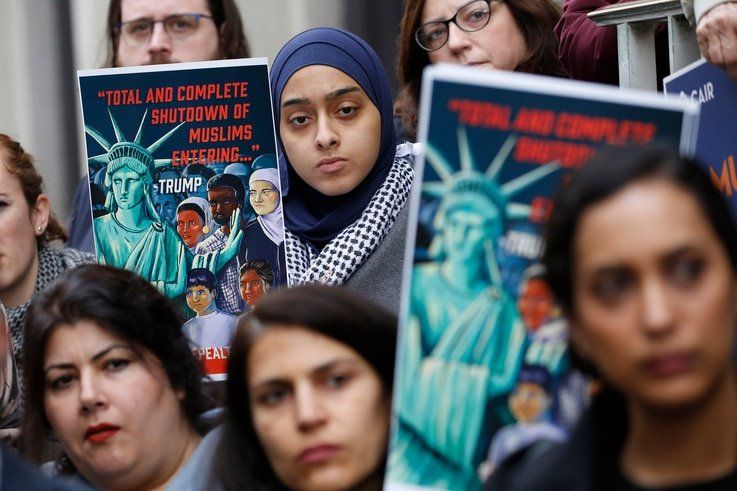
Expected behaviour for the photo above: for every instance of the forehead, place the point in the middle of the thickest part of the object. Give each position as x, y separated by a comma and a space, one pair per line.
283, 352
81, 339
314, 82
643, 221
221, 192
134, 9
250, 275
188, 214
9, 183
440, 9
261, 185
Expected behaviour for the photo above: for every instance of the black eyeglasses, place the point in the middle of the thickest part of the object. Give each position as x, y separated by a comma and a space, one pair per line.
179, 26
471, 17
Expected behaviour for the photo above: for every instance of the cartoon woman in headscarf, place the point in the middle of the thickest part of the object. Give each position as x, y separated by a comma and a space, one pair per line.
264, 236
194, 221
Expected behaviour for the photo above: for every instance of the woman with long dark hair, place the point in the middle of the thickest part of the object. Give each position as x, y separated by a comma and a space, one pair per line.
309, 393
642, 256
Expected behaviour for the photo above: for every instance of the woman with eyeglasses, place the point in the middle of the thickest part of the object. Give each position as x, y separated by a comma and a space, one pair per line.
494, 34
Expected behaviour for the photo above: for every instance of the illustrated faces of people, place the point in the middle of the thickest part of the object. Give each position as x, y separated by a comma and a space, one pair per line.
330, 129
21, 225
528, 402
197, 42
200, 299
223, 202
112, 408
318, 408
166, 207
654, 295
535, 303
252, 286
189, 227
499, 45
128, 188
264, 197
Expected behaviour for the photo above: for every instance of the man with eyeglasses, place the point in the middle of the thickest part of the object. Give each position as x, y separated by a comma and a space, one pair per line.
146, 32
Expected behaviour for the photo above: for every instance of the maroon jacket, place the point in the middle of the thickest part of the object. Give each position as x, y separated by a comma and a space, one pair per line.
586, 51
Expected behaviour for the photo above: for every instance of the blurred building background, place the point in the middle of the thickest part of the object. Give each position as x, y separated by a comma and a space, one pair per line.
44, 42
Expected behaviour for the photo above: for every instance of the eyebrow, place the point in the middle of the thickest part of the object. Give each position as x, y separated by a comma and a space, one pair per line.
318, 370
330, 96
96, 357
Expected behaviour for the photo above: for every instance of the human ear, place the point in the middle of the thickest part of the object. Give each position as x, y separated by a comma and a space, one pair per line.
40, 214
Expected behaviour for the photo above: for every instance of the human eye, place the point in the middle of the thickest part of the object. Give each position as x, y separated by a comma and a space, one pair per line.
347, 110
612, 285
685, 270
475, 15
433, 33
272, 397
299, 120
115, 364
138, 27
181, 23
336, 380
61, 381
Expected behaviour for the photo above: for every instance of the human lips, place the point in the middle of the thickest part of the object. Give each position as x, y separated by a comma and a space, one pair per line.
317, 454
670, 364
100, 433
331, 165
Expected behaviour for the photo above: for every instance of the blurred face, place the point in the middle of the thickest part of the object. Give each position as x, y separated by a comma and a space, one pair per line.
535, 303
20, 229
189, 227
499, 45
264, 197
330, 129
113, 410
198, 43
128, 188
528, 402
223, 203
166, 207
654, 296
200, 298
465, 232
252, 287
318, 408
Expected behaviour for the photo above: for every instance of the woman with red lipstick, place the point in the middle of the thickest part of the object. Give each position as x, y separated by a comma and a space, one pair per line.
642, 256
493, 34
111, 378
347, 181
309, 393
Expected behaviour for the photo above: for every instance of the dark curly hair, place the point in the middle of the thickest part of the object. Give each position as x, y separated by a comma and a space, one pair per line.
122, 303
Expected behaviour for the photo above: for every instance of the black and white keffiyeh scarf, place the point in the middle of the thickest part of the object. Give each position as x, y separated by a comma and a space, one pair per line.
52, 262
343, 255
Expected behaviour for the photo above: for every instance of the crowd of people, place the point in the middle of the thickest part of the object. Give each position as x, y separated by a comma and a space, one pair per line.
100, 388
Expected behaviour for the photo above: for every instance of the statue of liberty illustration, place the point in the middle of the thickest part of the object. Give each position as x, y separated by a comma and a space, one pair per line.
464, 340
132, 235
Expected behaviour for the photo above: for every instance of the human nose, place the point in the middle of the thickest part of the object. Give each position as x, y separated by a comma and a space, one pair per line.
657, 308
160, 39
91, 396
258, 198
309, 410
326, 136
457, 39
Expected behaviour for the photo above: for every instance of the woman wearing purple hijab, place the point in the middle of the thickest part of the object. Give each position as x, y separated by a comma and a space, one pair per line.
347, 182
